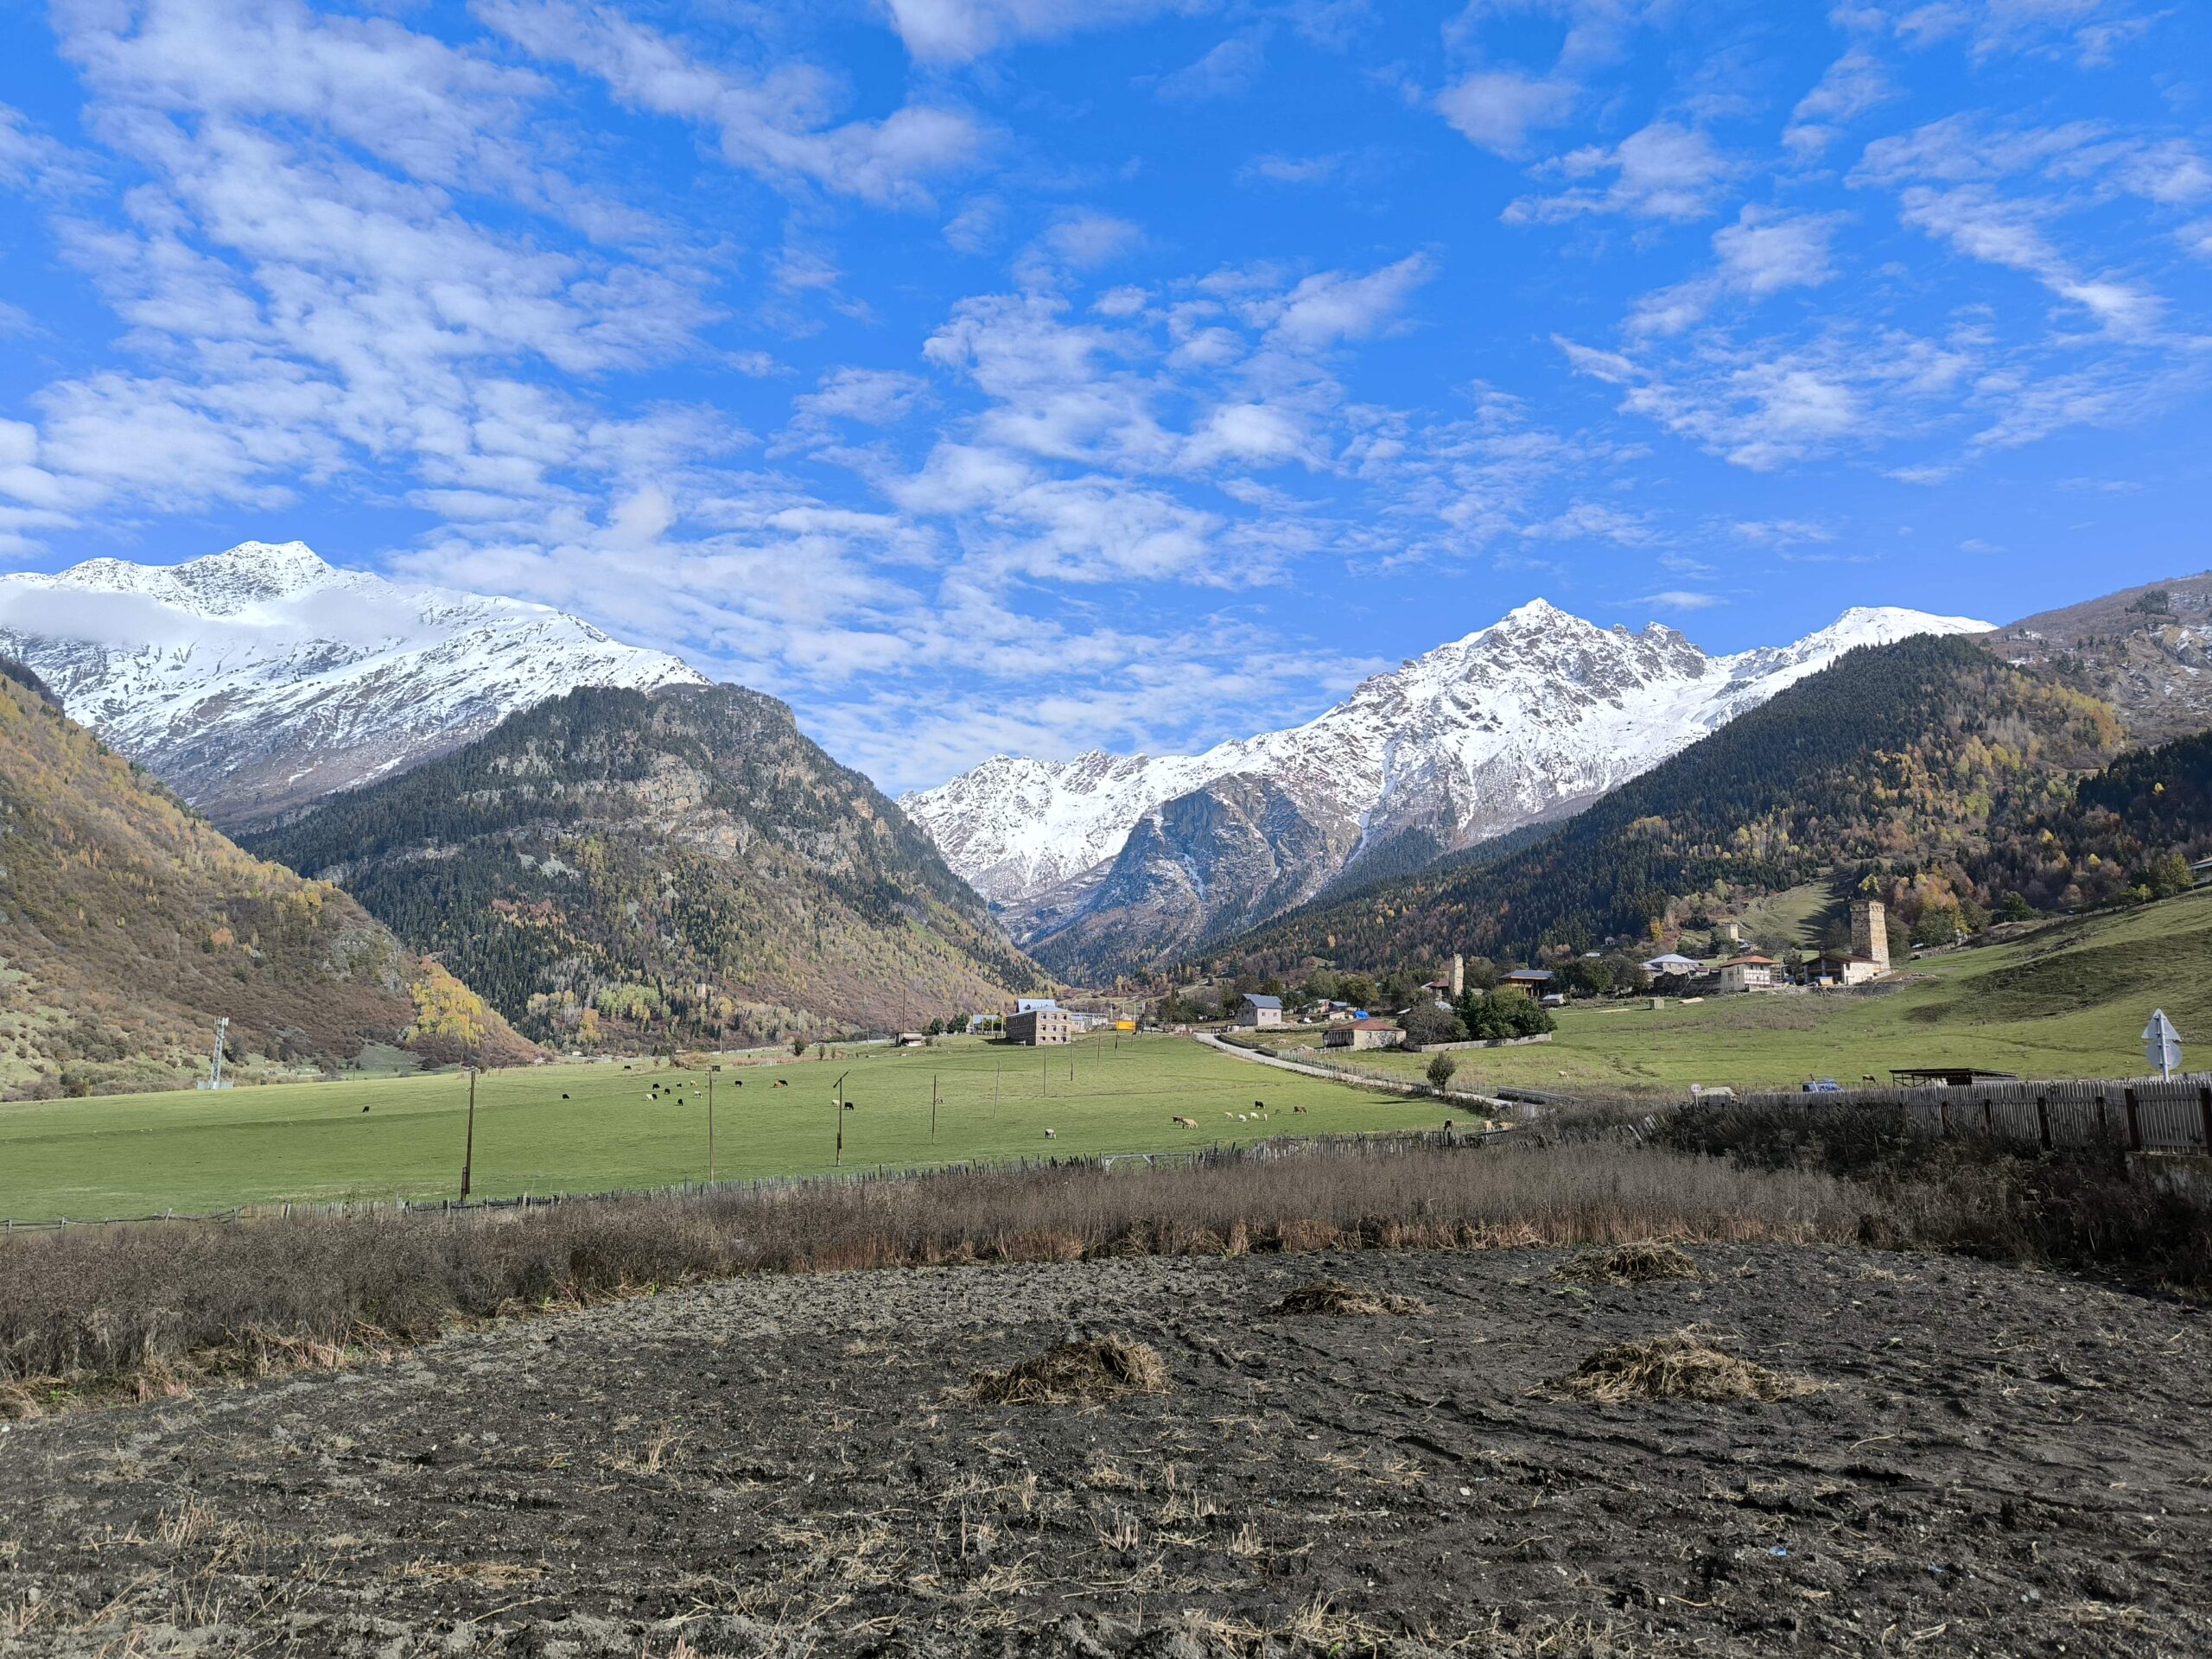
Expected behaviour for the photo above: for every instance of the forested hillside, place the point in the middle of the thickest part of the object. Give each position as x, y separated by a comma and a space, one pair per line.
618, 867
1892, 765
128, 924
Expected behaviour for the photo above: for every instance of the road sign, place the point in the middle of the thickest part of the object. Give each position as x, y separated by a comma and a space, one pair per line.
2162, 1044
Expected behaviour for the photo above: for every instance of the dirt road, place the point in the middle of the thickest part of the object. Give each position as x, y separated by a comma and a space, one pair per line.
1996, 1462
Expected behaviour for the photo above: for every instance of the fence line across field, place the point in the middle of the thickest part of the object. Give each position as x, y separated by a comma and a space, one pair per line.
1378, 1144
2140, 1115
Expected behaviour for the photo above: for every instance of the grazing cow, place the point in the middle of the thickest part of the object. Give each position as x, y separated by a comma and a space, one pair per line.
365, 1109
783, 1082
849, 1105
1866, 1076
1300, 1110
1259, 1105
1180, 1122
564, 1096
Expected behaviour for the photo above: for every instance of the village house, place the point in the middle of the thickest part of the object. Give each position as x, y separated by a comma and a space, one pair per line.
1039, 1027
1259, 1010
1674, 963
1537, 981
1751, 973
1364, 1033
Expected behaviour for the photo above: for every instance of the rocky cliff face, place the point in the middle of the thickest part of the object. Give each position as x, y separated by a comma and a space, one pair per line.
257, 682
1106, 862
2146, 651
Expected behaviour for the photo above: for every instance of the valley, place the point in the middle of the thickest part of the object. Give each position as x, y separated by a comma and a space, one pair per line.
619, 1124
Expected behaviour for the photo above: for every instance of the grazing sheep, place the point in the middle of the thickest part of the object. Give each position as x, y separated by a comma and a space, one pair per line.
1300, 1110
1048, 1134
1244, 1117
783, 1082
1180, 1122
1259, 1105
1866, 1076
849, 1105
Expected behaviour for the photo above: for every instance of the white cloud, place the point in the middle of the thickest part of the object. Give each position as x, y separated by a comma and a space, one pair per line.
1292, 170
1854, 83
1782, 532
1663, 171
2090, 31
958, 31
1763, 253
1232, 67
1498, 109
771, 124
1678, 599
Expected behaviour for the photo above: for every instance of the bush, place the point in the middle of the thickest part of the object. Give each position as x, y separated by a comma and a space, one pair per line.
1439, 1072
1426, 1023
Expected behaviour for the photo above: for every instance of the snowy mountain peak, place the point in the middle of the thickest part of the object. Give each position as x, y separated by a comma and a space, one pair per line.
1523, 720
259, 679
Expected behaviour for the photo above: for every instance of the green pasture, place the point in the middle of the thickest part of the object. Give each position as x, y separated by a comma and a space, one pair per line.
2068, 1001
592, 1127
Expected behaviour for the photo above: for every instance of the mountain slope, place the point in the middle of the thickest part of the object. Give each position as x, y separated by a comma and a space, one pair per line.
2146, 650
1102, 863
1895, 761
257, 680
615, 866
127, 925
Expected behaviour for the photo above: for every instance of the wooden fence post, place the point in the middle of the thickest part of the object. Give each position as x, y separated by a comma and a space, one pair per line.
2043, 1120
2204, 1112
2134, 1124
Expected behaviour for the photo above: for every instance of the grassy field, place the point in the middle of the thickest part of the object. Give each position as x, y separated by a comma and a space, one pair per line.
587, 1127
2068, 1001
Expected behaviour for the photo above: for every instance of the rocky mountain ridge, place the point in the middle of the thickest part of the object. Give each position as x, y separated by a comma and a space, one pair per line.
1104, 862
618, 869
258, 681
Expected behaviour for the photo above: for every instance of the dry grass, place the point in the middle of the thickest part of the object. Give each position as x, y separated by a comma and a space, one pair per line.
1677, 1367
1333, 1296
157, 1309
1639, 1262
1074, 1374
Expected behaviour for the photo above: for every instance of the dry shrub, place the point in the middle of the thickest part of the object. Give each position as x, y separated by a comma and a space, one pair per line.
1074, 1374
1333, 1296
1677, 1367
1640, 1262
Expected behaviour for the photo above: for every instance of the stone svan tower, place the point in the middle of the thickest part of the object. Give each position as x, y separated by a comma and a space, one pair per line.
1870, 931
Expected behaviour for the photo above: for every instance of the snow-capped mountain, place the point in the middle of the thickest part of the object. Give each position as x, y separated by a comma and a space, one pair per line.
256, 681
1107, 858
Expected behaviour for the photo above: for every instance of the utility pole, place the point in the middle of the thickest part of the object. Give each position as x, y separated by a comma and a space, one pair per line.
839, 1098
710, 1123
932, 1108
999, 1072
468, 1149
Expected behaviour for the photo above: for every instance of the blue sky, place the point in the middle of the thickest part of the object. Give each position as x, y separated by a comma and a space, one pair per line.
1034, 375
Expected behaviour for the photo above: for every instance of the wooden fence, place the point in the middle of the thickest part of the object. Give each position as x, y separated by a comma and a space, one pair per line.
2145, 1115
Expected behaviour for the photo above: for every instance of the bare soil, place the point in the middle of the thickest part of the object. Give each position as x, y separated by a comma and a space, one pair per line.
1996, 1462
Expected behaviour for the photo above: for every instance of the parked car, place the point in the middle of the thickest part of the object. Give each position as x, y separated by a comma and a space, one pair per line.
1823, 1086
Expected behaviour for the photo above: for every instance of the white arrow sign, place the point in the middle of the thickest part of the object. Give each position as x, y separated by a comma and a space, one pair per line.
2162, 1044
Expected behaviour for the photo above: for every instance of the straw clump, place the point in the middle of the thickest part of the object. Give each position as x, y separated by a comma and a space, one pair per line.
1640, 1262
1075, 1374
1334, 1297
1677, 1367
